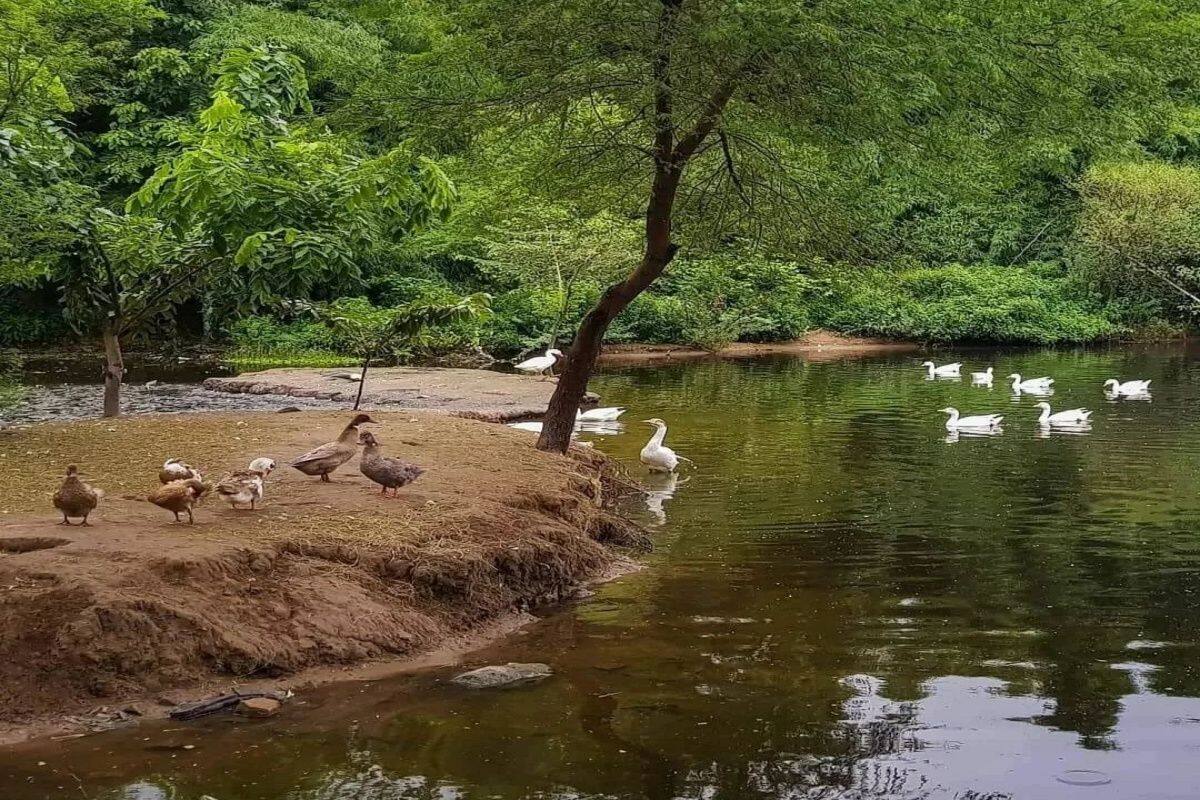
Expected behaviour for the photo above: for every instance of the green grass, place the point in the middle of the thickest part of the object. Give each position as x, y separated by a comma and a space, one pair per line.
249, 358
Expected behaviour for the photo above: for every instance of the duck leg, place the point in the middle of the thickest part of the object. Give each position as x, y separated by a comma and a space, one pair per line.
191, 520
252, 503
176, 513
66, 521
85, 523
325, 477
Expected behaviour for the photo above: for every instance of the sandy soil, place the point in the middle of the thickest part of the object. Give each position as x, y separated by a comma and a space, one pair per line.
814, 346
321, 576
473, 393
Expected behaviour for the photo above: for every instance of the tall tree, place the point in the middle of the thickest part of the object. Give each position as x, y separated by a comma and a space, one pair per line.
723, 114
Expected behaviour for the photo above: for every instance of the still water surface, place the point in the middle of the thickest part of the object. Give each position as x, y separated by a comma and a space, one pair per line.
843, 604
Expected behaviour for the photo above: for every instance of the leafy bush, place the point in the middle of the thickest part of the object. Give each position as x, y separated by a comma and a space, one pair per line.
1035, 304
1138, 237
26, 323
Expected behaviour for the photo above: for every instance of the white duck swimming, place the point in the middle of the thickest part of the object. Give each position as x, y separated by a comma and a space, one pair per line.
1116, 388
656, 455
980, 422
600, 414
1032, 385
944, 371
982, 378
540, 364
1071, 418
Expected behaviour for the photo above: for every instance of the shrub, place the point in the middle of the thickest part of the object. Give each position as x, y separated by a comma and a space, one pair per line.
1036, 304
1139, 233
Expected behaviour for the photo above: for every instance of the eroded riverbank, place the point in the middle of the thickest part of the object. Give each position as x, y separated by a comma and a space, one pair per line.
137, 608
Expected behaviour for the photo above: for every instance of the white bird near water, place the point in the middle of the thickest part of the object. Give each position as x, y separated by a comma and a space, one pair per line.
1032, 385
944, 371
600, 414
539, 364
1071, 418
980, 422
1127, 389
656, 455
982, 378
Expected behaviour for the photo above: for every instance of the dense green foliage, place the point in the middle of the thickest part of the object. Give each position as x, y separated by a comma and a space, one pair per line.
954, 171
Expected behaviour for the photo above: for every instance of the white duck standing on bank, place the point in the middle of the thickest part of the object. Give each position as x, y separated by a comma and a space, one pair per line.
944, 371
1116, 388
982, 378
540, 364
1071, 418
982, 422
1040, 385
656, 455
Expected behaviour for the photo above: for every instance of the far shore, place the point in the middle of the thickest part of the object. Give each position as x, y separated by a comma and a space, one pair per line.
816, 345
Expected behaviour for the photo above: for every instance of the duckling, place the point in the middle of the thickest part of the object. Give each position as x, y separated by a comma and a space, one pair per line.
173, 469
331, 455
389, 473
75, 498
178, 497
246, 485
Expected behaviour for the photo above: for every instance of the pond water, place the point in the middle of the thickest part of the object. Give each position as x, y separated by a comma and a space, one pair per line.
844, 603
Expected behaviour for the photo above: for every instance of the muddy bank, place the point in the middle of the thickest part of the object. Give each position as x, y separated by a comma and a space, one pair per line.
472, 393
137, 608
814, 346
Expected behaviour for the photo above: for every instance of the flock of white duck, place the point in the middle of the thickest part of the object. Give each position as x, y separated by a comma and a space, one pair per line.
1073, 418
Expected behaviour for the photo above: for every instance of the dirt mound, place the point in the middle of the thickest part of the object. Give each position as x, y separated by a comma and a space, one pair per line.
322, 574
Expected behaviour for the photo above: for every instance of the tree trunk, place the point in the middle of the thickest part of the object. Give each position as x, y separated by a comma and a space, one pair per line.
559, 422
362, 377
114, 370
671, 157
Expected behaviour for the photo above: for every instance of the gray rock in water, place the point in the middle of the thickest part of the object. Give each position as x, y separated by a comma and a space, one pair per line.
509, 674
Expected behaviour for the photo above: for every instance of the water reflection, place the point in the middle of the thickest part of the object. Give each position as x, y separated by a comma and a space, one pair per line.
661, 487
971, 433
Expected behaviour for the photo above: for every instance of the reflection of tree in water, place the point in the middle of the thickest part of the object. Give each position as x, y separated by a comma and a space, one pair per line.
373, 783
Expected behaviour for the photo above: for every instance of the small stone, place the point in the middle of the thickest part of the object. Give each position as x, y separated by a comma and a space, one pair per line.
258, 707
510, 674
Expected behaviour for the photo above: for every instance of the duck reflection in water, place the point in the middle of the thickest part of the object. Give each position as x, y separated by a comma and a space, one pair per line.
1078, 429
661, 487
970, 433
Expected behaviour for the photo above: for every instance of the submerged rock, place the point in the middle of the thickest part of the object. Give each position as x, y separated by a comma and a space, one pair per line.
258, 707
509, 674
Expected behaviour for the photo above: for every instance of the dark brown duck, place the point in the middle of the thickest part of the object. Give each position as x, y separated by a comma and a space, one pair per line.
389, 473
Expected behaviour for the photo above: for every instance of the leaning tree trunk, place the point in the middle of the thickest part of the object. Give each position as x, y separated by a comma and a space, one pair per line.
559, 422
114, 370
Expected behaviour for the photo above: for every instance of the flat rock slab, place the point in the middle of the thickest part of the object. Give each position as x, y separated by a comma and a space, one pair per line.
496, 676
474, 393
258, 707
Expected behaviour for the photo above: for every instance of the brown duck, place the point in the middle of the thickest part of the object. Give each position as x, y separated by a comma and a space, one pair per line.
389, 473
75, 498
328, 457
178, 497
